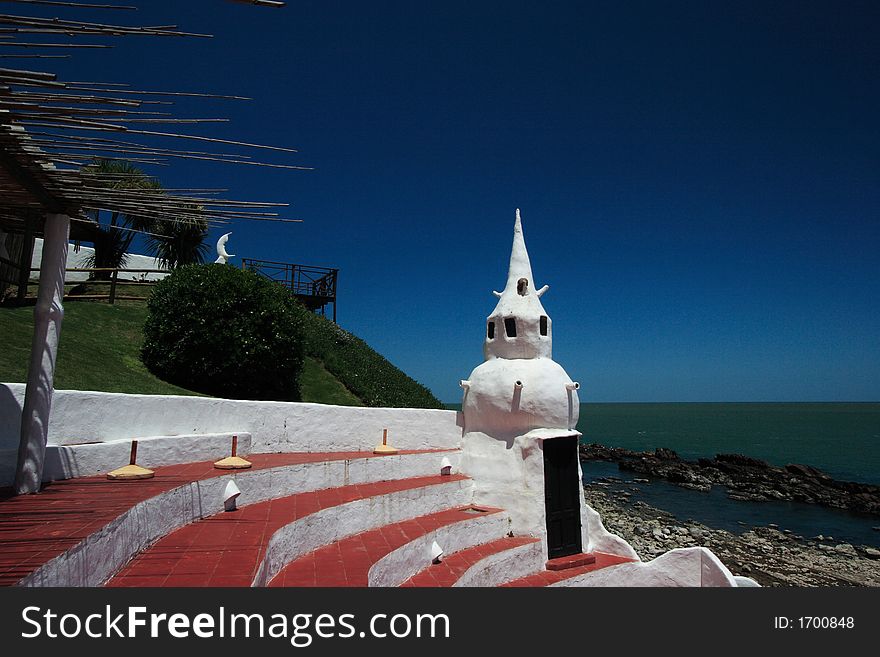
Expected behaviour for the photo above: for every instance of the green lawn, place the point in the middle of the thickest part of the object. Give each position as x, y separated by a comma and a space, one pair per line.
318, 385
100, 347
98, 350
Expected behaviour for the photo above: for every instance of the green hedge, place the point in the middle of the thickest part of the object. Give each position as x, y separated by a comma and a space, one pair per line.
366, 373
225, 332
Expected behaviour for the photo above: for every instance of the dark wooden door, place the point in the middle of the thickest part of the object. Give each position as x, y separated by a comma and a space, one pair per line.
562, 493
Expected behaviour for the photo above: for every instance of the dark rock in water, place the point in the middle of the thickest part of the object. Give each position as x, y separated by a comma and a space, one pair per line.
745, 478
740, 459
806, 471
665, 454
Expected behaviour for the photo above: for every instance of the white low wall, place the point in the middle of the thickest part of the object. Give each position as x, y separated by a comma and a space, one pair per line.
81, 417
502, 567
78, 260
68, 461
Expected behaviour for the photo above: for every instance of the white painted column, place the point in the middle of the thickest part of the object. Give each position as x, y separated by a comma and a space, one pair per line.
44, 349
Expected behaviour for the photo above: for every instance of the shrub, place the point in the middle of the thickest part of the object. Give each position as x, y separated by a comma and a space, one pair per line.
225, 332
366, 373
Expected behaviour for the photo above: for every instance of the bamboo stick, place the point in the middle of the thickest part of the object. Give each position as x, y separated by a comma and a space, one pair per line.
59, 3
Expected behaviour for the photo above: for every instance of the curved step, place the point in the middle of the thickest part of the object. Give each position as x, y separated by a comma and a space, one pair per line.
554, 577
78, 532
387, 555
248, 546
486, 564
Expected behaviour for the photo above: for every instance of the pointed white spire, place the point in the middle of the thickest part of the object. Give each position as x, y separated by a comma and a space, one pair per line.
520, 266
519, 326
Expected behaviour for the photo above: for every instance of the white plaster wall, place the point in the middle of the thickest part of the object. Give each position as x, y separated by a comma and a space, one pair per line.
399, 565
682, 567
97, 557
82, 416
67, 461
77, 260
328, 525
508, 475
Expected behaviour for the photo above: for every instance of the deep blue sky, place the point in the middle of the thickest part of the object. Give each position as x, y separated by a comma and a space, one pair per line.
698, 180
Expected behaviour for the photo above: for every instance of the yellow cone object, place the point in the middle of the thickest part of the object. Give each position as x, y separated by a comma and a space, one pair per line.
233, 462
132, 470
385, 448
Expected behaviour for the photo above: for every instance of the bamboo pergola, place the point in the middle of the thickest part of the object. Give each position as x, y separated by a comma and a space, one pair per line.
50, 129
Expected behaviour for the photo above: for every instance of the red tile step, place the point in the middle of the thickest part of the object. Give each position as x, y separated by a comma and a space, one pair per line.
571, 561
35, 529
348, 562
548, 577
452, 567
226, 549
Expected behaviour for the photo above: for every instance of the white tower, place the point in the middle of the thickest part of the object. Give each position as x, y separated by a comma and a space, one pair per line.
520, 410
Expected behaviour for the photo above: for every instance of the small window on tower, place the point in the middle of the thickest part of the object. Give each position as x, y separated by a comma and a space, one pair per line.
491, 331
543, 324
510, 327
522, 287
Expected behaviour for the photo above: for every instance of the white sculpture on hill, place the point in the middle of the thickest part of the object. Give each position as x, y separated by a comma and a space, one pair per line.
222, 256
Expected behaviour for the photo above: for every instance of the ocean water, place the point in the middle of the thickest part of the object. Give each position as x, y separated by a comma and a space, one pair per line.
842, 439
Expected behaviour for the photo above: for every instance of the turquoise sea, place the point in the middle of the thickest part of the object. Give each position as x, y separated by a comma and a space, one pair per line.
843, 439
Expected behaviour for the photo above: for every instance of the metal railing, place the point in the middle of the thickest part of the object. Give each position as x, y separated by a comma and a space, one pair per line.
314, 286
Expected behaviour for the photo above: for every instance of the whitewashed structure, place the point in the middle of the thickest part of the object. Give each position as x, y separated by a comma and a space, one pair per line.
520, 444
520, 413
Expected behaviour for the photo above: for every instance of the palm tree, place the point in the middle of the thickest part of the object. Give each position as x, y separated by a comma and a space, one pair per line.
113, 239
179, 242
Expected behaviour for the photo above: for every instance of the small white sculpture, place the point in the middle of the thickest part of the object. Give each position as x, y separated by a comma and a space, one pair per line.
436, 552
230, 495
222, 256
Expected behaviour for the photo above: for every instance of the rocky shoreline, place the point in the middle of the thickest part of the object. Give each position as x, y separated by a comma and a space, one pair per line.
745, 478
766, 554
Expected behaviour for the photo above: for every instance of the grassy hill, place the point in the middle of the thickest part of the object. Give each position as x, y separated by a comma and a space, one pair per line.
98, 350
362, 370
100, 346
